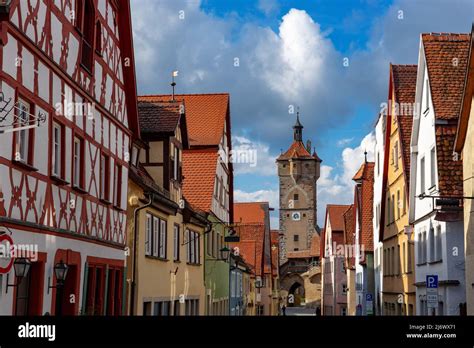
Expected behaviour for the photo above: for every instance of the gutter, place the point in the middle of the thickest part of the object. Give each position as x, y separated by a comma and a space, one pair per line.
134, 257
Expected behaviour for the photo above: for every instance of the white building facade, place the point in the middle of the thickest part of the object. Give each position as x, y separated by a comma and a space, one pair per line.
439, 240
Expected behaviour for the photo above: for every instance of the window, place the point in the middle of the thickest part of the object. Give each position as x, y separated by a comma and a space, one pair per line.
98, 37
87, 16
163, 242
78, 163
216, 188
398, 204
23, 136
191, 307
433, 167
156, 236
410, 257
397, 260
118, 185
176, 243
23, 295
147, 308
422, 175
176, 309
193, 247
175, 163
404, 201
114, 292
295, 197
393, 208
58, 144
395, 155
431, 241
104, 177
162, 308
344, 288
388, 210
148, 237
296, 238
438, 246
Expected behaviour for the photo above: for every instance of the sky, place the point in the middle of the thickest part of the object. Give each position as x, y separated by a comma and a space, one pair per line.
329, 58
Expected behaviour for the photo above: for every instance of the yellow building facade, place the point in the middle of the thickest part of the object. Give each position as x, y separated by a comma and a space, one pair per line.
398, 297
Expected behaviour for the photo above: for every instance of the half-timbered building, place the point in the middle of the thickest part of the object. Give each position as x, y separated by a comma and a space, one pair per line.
68, 114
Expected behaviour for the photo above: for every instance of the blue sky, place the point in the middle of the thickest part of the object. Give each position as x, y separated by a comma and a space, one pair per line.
289, 53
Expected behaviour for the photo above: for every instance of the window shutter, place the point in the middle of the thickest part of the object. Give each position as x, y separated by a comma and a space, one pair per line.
163, 234
148, 238
156, 230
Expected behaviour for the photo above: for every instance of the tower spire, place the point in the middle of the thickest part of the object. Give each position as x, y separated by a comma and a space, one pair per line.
298, 127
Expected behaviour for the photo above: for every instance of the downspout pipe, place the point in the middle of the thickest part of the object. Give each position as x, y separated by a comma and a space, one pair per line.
134, 257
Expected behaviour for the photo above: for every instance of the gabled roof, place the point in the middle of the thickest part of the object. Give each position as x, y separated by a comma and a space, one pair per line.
158, 117
349, 233
251, 245
335, 213
447, 84
249, 212
297, 150
404, 86
205, 113
363, 205
446, 60
199, 171
467, 99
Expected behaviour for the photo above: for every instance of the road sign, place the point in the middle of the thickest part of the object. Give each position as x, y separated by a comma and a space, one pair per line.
6, 259
369, 304
432, 291
369, 297
432, 281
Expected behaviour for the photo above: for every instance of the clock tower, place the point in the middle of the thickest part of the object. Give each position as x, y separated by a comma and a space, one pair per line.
298, 171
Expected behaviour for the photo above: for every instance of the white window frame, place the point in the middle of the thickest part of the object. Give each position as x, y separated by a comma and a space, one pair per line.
176, 242
156, 238
23, 136
163, 241
148, 234
57, 151
77, 157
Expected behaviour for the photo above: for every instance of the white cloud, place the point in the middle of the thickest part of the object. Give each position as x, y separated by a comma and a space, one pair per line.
344, 142
268, 6
252, 157
336, 188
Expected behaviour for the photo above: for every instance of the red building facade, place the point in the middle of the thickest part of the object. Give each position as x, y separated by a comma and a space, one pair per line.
68, 117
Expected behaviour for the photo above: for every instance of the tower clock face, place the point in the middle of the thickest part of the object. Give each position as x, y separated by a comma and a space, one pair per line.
296, 216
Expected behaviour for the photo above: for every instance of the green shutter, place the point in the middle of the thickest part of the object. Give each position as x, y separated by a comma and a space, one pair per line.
84, 289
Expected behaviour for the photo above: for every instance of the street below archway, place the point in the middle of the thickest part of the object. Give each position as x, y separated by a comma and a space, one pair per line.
300, 311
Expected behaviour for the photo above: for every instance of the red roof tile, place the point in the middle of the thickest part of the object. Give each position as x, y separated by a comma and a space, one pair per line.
335, 213
157, 117
404, 85
349, 233
297, 150
249, 212
314, 249
364, 206
251, 245
447, 88
442, 51
199, 170
205, 115
298, 254
467, 99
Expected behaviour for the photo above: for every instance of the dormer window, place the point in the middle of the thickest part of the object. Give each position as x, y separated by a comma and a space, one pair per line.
135, 156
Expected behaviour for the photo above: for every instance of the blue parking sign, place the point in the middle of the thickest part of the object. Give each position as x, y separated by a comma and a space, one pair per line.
432, 281
369, 297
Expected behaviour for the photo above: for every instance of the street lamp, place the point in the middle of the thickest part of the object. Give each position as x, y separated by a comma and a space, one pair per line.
225, 252
21, 267
60, 272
